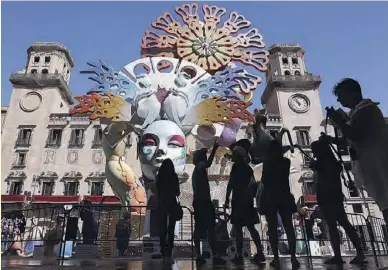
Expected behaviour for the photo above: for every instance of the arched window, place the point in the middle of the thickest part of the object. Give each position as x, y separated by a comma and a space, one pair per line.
45, 71
297, 72
34, 71
287, 72
285, 60
294, 61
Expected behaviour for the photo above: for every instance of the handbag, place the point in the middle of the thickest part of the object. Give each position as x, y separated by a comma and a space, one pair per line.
177, 211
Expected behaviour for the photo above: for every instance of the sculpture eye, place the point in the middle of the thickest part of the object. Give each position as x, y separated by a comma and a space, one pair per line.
149, 142
176, 141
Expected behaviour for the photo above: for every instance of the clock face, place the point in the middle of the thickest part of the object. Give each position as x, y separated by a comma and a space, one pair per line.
299, 103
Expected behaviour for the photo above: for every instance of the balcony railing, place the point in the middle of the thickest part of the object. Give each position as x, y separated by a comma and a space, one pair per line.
96, 143
303, 81
19, 164
23, 142
76, 144
53, 143
274, 119
61, 119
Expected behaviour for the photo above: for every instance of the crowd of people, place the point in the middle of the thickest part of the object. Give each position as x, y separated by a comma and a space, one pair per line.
367, 133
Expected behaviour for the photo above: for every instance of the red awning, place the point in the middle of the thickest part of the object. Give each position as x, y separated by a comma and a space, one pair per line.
103, 199
308, 198
13, 198
55, 199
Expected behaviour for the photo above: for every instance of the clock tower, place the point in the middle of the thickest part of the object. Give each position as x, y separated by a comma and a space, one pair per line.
291, 100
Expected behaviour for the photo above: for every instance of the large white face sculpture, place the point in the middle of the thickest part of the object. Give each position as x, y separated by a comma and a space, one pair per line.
161, 140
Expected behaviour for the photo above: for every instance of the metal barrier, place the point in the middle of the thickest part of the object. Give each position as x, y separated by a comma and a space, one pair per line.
60, 232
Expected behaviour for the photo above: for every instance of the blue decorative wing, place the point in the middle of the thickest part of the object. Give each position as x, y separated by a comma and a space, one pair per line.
220, 84
110, 80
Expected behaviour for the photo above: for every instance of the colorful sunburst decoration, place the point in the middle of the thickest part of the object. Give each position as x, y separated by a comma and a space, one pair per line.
204, 41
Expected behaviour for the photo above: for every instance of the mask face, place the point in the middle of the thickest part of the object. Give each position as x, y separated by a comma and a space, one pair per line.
161, 140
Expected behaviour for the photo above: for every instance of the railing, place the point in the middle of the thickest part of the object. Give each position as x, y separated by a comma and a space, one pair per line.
53, 143
96, 143
53, 228
23, 142
76, 144
306, 77
19, 164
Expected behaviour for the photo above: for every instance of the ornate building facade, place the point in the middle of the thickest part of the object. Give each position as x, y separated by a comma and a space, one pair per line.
51, 157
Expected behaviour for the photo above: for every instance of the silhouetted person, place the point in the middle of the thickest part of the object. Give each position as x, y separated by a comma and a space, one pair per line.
90, 224
167, 189
204, 214
331, 200
242, 186
123, 233
368, 133
277, 198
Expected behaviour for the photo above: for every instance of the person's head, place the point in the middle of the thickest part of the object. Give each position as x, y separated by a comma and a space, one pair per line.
200, 156
275, 150
239, 154
167, 168
60, 219
348, 92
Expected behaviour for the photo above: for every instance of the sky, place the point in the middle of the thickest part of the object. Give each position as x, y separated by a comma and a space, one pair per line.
341, 39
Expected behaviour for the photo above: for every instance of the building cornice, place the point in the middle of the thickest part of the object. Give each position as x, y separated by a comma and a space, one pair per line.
292, 82
43, 80
51, 46
285, 48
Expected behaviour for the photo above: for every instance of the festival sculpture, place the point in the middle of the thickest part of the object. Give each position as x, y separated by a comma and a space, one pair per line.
187, 81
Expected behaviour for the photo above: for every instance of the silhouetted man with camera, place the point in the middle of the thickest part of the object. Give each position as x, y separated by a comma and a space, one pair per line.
367, 131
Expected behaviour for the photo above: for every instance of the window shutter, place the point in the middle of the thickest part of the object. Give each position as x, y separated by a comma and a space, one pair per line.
28, 135
81, 137
59, 140
299, 137
50, 136
72, 137
20, 134
307, 134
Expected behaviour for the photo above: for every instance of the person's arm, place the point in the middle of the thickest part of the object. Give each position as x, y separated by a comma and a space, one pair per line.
212, 155
178, 190
287, 167
362, 123
229, 188
228, 192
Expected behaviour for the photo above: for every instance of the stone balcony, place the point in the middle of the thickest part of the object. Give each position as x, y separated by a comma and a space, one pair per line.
43, 80
307, 81
59, 119
296, 81
274, 120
